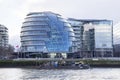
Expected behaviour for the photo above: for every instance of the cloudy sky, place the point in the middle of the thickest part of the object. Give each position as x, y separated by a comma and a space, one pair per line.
13, 12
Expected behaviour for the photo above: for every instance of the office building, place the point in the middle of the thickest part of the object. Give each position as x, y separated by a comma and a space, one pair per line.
116, 34
78, 31
95, 37
46, 32
3, 36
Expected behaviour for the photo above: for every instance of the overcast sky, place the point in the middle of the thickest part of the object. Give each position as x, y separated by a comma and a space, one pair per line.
13, 12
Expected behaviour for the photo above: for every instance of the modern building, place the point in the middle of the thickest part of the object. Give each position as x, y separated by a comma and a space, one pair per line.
46, 32
3, 36
78, 31
116, 34
94, 37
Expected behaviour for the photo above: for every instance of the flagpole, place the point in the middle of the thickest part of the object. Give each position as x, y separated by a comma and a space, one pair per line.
17, 51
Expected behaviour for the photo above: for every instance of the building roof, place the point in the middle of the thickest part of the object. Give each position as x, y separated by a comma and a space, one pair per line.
42, 12
88, 19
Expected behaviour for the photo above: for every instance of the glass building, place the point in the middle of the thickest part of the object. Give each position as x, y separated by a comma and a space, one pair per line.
3, 36
46, 32
116, 34
78, 31
95, 37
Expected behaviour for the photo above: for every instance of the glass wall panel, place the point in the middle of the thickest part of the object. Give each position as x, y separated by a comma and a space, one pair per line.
55, 32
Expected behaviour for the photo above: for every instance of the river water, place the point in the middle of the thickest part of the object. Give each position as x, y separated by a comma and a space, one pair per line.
36, 74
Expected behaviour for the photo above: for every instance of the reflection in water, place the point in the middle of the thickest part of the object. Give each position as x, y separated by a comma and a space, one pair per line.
36, 74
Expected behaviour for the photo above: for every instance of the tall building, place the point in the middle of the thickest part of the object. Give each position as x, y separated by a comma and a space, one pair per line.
116, 34
78, 31
3, 36
95, 37
46, 32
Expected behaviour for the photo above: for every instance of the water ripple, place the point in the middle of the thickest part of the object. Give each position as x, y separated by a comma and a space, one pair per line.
36, 74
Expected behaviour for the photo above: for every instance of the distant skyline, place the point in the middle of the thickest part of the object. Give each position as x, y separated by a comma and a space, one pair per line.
13, 12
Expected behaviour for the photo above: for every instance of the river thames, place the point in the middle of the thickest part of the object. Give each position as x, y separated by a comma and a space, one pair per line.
36, 74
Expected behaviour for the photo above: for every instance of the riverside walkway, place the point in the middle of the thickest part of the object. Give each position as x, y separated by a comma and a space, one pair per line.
60, 59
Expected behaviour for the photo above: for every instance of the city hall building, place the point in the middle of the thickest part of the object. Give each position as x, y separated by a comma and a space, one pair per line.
46, 32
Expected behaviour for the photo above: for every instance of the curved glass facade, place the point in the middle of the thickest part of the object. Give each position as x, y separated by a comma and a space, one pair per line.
46, 32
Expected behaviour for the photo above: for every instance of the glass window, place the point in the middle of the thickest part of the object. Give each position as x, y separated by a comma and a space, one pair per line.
34, 23
36, 28
36, 19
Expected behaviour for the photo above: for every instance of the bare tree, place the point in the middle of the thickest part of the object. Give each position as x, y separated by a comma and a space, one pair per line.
6, 52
